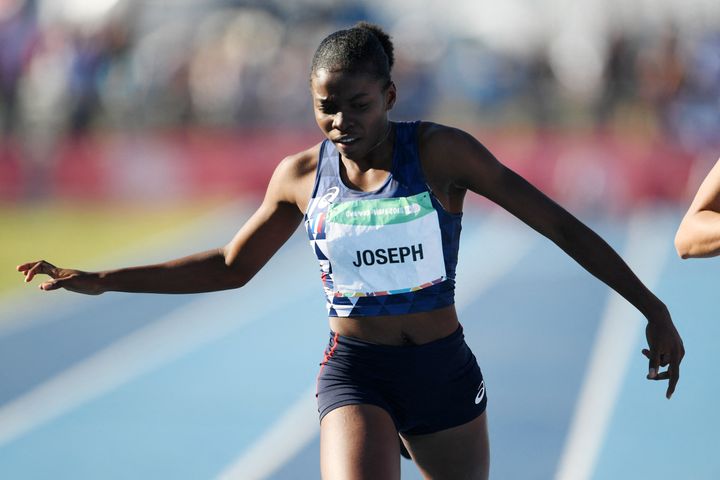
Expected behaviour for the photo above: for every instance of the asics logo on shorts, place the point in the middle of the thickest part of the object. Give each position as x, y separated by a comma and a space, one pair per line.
329, 197
481, 393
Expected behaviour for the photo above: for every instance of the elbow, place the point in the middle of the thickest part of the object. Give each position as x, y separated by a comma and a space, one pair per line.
683, 255
683, 246
236, 281
234, 276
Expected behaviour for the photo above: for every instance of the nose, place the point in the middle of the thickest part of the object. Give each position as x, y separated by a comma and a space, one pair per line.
340, 121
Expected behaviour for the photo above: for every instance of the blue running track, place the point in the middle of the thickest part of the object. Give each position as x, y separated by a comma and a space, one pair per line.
220, 385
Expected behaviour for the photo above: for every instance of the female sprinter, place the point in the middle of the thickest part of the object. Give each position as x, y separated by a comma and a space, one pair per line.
382, 203
699, 231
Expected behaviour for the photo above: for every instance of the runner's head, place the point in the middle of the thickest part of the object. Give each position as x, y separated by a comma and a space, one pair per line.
352, 88
364, 48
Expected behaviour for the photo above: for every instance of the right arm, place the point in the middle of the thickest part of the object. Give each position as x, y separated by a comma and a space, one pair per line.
231, 266
699, 231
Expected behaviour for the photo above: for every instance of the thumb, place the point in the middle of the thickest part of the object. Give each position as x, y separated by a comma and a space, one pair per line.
653, 364
51, 285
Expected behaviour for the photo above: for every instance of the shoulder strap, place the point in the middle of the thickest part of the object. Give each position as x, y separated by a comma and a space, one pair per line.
327, 170
408, 167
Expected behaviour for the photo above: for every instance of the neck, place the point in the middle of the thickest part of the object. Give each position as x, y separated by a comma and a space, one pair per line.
384, 137
376, 156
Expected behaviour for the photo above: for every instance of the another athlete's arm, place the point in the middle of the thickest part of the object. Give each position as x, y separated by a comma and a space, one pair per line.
469, 165
222, 268
699, 232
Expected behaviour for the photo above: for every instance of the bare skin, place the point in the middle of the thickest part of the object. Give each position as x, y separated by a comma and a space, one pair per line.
456, 453
699, 233
360, 441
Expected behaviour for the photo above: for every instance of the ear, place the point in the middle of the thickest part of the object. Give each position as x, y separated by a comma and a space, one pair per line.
390, 96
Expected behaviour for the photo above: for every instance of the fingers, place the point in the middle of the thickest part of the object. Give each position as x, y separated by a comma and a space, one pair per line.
652, 371
672, 373
25, 266
653, 364
33, 268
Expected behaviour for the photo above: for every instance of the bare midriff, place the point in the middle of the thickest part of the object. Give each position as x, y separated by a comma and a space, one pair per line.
409, 329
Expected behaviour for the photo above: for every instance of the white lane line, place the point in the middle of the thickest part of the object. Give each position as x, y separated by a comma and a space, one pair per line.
646, 251
505, 242
187, 329
296, 428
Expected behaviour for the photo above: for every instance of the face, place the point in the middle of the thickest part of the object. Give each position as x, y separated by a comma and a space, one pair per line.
351, 110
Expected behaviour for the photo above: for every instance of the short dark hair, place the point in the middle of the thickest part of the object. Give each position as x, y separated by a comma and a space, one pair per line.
363, 48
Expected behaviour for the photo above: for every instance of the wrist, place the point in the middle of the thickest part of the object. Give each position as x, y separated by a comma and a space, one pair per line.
657, 313
100, 281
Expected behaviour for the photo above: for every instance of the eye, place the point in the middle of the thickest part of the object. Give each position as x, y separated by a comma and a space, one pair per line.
360, 106
327, 109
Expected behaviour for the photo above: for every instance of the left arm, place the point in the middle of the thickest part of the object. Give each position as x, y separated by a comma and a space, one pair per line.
472, 167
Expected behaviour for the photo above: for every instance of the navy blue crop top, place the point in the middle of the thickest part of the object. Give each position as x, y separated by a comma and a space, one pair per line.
387, 252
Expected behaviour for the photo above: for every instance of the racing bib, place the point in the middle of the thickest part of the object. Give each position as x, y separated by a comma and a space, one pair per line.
384, 246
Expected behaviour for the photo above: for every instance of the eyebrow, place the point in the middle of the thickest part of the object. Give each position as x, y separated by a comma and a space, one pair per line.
352, 99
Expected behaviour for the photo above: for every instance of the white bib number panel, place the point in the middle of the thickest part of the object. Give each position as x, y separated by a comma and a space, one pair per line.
384, 246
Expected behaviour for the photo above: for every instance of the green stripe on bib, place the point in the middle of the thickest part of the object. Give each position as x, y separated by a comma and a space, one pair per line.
381, 211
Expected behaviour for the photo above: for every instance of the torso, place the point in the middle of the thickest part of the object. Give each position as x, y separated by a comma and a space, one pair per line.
408, 329
403, 329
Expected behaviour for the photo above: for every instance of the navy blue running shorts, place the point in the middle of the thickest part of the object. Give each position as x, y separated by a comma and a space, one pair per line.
425, 388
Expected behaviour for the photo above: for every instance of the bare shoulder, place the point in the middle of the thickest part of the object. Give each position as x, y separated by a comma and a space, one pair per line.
294, 177
448, 154
437, 138
300, 165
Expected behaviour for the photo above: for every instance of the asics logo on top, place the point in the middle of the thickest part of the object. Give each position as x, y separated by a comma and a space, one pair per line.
329, 197
481, 393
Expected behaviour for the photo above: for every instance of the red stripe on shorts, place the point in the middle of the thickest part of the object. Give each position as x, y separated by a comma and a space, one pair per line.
326, 358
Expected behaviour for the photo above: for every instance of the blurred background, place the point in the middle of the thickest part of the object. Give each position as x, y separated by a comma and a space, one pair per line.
129, 125
165, 99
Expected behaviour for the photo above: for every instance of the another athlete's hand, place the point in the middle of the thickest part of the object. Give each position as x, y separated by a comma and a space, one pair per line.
73, 280
666, 350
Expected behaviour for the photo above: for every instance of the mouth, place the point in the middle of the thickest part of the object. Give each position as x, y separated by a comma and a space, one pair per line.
346, 140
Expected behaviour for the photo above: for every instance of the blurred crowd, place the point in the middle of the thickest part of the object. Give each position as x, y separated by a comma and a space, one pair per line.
69, 67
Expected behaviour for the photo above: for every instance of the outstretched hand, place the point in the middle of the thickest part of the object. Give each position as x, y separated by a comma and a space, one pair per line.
73, 280
666, 350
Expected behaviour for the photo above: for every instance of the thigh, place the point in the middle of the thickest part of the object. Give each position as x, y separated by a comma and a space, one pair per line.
359, 442
461, 452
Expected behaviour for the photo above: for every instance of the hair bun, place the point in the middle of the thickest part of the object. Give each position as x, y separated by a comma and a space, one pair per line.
383, 37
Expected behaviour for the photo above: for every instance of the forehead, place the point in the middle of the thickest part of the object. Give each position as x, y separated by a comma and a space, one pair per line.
331, 85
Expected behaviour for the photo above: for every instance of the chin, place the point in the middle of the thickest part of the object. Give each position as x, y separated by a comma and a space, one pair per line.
351, 151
